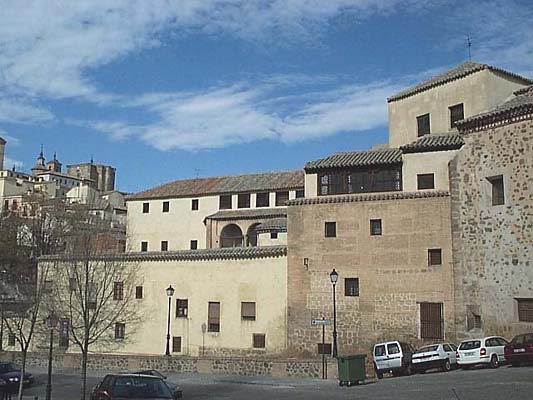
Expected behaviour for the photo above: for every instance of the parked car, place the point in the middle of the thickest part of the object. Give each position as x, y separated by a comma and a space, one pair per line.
440, 355
131, 386
174, 388
11, 375
394, 357
520, 349
488, 350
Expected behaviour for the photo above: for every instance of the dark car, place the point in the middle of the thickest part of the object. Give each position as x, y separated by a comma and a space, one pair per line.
11, 375
131, 386
174, 388
520, 349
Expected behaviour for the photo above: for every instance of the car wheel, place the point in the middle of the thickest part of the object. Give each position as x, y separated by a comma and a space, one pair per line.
446, 366
494, 363
379, 375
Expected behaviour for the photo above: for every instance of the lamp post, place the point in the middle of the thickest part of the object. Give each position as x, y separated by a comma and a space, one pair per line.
334, 276
51, 323
170, 293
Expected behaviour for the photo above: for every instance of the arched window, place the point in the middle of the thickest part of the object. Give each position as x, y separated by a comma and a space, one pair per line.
231, 236
251, 236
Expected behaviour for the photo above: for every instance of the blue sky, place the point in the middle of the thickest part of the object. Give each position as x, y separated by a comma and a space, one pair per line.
165, 90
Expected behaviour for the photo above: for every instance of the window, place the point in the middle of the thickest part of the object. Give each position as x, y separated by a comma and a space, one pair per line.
144, 246
176, 344
300, 193
324, 348
282, 198
425, 181
91, 301
194, 244
330, 229
525, 310
273, 235
422, 123
498, 196
164, 245
64, 327
259, 340
262, 199
379, 350
213, 317
473, 317
243, 200
11, 339
120, 330
48, 286
351, 286
194, 204
362, 180
72, 284
182, 308
434, 257
166, 206
447, 348
225, 202
248, 311
393, 348
457, 113
431, 321
375, 227
138, 292
146, 208
231, 236
118, 291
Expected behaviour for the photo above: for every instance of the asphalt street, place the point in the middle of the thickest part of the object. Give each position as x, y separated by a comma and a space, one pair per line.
488, 384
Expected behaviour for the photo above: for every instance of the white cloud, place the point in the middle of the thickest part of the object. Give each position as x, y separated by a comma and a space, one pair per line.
17, 110
11, 140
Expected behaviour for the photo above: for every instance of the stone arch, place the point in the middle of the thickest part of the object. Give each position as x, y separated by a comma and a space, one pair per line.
251, 235
231, 236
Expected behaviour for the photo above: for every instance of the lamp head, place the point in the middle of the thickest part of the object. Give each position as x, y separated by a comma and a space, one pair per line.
334, 276
170, 291
51, 321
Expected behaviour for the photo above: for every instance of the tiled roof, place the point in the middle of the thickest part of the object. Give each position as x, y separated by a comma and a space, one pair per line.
275, 224
453, 74
227, 253
351, 198
434, 143
516, 109
225, 184
356, 159
254, 213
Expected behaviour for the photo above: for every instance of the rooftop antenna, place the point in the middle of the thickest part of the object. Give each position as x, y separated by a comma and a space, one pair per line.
197, 172
469, 44
92, 159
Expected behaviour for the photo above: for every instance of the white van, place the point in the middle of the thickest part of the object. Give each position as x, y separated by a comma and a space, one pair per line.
394, 357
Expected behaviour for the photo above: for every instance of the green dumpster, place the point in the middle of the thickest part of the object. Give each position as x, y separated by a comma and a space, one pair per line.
351, 369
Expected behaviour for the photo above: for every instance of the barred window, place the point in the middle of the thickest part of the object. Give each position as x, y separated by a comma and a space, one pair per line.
330, 229
262, 199
525, 310
118, 291
120, 330
422, 122
176, 344
434, 257
138, 292
213, 317
182, 308
375, 227
259, 341
282, 198
225, 202
351, 286
243, 200
248, 311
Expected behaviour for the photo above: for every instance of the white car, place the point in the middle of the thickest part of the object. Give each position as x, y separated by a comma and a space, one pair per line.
489, 350
392, 357
440, 355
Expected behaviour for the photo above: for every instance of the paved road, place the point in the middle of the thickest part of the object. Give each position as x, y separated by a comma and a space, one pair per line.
487, 384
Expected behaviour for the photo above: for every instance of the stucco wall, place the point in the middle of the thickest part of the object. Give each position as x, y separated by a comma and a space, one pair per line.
493, 245
433, 162
393, 270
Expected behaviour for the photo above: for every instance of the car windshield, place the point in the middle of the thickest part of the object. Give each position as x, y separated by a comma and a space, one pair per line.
523, 339
428, 348
470, 344
140, 388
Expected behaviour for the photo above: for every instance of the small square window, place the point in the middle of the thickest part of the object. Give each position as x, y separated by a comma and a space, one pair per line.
164, 245
375, 227
166, 206
144, 246
259, 340
194, 244
225, 202
262, 199
176, 344
434, 257
300, 193
497, 190
182, 308
146, 208
324, 348
273, 235
422, 122
248, 311
138, 292
351, 286
120, 330
330, 229
194, 204
282, 198
425, 181
243, 200
457, 113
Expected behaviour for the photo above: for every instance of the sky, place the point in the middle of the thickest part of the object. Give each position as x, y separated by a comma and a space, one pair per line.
165, 90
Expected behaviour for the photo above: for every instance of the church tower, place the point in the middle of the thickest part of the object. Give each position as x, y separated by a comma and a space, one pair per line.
39, 165
54, 165
2, 147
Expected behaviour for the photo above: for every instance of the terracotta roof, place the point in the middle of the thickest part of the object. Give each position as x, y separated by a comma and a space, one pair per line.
516, 109
227, 253
356, 159
275, 224
351, 198
225, 184
458, 72
434, 143
227, 215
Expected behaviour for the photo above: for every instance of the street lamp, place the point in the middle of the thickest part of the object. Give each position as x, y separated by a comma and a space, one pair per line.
51, 323
170, 293
334, 276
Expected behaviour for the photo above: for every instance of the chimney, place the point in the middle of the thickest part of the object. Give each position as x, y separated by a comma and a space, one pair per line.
2, 146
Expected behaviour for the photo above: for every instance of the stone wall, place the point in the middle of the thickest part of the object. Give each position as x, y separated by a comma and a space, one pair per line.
493, 245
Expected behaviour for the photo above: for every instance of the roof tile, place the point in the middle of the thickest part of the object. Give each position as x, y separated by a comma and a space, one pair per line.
227, 215
434, 143
351, 198
356, 159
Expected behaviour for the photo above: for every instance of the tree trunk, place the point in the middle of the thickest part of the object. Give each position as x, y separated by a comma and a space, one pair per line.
83, 372
22, 372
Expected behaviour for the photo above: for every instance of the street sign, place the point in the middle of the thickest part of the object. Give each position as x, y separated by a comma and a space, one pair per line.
320, 322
